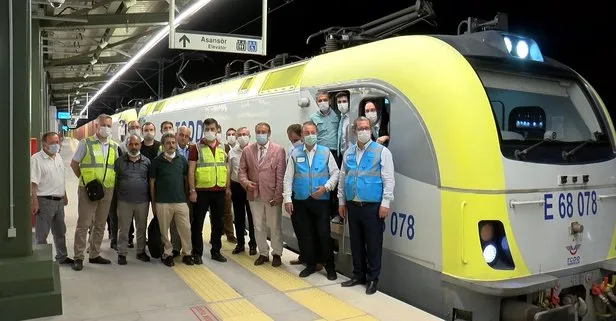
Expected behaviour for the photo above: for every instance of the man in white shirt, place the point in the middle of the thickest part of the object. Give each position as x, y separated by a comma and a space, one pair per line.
241, 207
49, 195
367, 199
310, 177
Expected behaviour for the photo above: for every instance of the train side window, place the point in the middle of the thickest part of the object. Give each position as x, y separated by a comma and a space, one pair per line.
380, 125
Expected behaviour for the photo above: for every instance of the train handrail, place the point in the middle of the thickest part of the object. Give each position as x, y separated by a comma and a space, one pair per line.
513, 203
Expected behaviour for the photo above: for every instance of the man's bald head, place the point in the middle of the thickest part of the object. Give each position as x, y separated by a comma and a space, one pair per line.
183, 136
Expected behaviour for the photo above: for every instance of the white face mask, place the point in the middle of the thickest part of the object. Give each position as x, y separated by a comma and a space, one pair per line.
134, 154
53, 148
371, 115
104, 132
243, 140
231, 140
343, 107
209, 136
219, 137
172, 155
149, 135
363, 136
323, 107
169, 131
135, 132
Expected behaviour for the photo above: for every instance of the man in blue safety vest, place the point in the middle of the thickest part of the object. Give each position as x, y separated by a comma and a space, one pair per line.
310, 176
366, 190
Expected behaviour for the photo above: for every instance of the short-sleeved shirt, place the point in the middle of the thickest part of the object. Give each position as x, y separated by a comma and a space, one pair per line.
327, 129
48, 174
170, 176
235, 154
150, 151
193, 155
132, 179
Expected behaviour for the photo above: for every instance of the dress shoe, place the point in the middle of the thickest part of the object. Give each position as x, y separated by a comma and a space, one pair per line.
197, 259
331, 273
261, 259
231, 239
77, 265
352, 282
175, 253
143, 257
276, 261
122, 259
252, 251
218, 257
319, 267
66, 260
188, 260
99, 260
238, 249
306, 272
168, 261
371, 287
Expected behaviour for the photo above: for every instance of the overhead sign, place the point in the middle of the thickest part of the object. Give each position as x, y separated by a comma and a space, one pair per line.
63, 115
218, 42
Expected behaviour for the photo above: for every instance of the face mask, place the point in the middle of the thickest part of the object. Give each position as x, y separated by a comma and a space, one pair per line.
135, 132
53, 148
104, 132
231, 140
219, 137
310, 140
148, 135
262, 139
344, 107
323, 107
134, 153
209, 136
171, 131
172, 155
371, 115
243, 140
363, 136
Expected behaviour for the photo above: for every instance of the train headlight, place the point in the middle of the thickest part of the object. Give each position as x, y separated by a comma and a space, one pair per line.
521, 49
490, 253
508, 44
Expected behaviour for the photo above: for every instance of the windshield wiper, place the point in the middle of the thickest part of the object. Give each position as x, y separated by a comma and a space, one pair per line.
548, 136
568, 154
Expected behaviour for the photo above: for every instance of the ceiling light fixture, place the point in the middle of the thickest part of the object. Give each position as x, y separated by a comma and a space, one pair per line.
149, 45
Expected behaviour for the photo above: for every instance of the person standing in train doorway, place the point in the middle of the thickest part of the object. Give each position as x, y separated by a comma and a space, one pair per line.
311, 174
294, 133
49, 195
208, 181
344, 139
93, 162
262, 168
228, 216
241, 207
365, 191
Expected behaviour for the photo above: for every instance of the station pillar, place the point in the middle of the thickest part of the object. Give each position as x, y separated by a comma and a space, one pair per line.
36, 70
29, 278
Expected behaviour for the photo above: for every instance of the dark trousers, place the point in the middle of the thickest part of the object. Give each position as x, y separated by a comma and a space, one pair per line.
313, 230
366, 233
112, 222
215, 203
297, 227
241, 207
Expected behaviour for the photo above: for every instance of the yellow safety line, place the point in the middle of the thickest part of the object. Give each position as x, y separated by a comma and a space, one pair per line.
316, 300
222, 299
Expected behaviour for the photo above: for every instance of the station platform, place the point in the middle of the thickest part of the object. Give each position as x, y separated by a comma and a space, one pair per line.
235, 290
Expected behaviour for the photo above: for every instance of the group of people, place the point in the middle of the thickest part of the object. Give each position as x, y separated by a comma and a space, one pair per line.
184, 181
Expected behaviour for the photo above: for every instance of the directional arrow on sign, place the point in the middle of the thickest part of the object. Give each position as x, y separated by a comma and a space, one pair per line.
184, 40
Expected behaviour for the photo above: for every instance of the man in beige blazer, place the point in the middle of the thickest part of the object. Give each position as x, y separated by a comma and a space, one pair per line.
261, 173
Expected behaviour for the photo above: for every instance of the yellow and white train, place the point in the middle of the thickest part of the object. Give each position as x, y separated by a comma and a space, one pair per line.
505, 166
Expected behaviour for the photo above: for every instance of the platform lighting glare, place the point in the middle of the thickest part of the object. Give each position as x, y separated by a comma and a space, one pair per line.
521, 49
157, 38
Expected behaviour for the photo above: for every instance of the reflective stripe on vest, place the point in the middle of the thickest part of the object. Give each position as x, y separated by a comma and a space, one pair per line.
308, 177
211, 169
363, 182
92, 165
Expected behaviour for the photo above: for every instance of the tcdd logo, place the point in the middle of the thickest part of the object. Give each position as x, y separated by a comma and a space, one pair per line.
573, 259
241, 45
252, 46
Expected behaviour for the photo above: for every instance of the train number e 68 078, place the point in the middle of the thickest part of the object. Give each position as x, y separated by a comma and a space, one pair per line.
569, 204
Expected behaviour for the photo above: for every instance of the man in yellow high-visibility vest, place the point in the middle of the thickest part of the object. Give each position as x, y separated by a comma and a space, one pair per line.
208, 181
94, 160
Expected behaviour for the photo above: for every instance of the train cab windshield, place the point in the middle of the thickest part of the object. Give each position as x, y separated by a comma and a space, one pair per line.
546, 119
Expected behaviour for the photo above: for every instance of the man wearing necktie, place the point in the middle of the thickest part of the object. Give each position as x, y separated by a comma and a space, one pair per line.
261, 173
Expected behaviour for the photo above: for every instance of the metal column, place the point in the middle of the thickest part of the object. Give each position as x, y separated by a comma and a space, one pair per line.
28, 276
